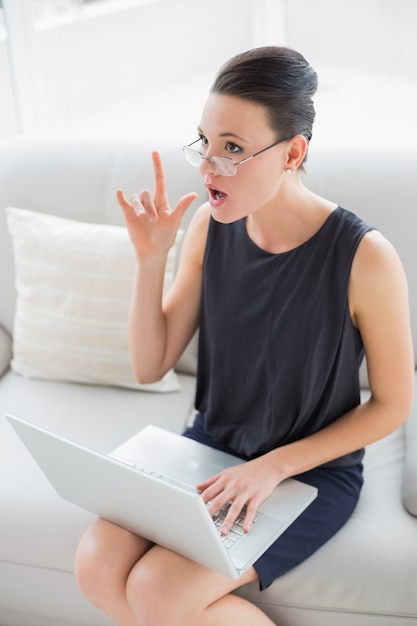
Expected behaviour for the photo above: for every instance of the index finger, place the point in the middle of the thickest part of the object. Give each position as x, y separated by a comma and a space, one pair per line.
160, 196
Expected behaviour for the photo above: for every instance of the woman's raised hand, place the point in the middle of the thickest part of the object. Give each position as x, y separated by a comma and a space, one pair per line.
151, 222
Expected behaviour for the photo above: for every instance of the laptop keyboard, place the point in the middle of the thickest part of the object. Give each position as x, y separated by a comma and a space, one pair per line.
236, 531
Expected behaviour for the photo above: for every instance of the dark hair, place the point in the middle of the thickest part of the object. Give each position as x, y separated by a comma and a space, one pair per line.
278, 78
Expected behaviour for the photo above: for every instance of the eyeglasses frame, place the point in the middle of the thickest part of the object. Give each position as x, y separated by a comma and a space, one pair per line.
235, 163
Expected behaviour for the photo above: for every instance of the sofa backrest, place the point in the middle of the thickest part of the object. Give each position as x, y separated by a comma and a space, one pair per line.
380, 185
77, 178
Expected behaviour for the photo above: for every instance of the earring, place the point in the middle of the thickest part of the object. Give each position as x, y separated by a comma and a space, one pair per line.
289, 171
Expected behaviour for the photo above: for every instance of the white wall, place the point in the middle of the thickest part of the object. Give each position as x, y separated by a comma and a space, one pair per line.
373, 36
365, 53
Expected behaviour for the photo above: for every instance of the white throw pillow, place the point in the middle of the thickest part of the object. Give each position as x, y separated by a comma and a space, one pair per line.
74, 282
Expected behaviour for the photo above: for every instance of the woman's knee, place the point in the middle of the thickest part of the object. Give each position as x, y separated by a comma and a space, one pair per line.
105, 555
146, 596
90, 564
166, 589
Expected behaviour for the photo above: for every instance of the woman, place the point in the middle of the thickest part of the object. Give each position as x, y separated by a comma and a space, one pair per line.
288, 291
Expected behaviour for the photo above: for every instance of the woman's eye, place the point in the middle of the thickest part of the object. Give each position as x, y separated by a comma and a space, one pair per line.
233, 148
203, 140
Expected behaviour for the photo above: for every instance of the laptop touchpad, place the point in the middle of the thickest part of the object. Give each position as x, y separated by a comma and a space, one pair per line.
196, 471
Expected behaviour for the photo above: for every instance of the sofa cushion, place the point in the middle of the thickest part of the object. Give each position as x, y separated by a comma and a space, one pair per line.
74, 283
365, 574
410, 464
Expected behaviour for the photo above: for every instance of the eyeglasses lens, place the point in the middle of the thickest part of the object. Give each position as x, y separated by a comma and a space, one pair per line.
222, 165
193, 156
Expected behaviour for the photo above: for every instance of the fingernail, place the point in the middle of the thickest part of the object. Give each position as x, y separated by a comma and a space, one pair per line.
139, 210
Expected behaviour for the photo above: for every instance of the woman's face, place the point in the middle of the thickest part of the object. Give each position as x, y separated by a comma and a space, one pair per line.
236, 128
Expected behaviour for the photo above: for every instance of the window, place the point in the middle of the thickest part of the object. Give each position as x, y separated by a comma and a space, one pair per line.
48, 13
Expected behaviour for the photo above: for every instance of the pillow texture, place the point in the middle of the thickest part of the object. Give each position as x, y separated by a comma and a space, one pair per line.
74, 283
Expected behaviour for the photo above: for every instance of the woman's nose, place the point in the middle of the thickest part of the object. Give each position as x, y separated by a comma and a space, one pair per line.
206, 166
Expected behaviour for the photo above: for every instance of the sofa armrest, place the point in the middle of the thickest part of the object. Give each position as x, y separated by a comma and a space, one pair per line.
410, 464
5, 350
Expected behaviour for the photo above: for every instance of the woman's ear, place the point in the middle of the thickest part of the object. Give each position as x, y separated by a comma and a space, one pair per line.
297, 149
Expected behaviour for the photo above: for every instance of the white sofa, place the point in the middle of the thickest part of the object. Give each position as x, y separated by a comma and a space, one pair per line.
365, 576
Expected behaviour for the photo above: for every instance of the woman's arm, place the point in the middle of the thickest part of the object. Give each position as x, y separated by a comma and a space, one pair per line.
378, 299
160, 327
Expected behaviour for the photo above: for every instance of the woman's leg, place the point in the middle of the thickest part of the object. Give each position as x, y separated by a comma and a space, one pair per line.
138, 584
167, 589
105, 557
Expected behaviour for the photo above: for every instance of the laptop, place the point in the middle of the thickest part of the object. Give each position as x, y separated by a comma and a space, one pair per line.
147, 485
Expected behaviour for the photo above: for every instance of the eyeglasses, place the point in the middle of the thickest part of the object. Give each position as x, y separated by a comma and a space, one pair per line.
225, 166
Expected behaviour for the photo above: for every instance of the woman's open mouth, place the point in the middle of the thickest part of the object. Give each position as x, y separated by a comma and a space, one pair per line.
216, 197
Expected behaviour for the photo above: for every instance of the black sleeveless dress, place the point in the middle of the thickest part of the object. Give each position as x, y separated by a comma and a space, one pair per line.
279, 360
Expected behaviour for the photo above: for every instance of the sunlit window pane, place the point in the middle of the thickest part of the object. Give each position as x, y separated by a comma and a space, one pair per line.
43, 9
49, 12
